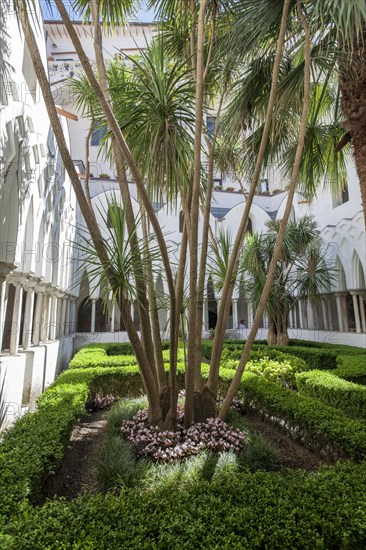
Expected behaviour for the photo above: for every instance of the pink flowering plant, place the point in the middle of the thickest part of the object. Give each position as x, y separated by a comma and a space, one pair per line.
167, 446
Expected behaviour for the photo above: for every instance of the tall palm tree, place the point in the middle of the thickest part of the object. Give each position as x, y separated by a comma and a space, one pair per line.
339, 67
301, 272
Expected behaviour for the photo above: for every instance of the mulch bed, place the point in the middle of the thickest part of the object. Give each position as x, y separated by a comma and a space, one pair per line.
77, 474
292, 454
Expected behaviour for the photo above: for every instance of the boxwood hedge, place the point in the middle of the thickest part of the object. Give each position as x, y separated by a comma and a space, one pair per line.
323, 509
334, 391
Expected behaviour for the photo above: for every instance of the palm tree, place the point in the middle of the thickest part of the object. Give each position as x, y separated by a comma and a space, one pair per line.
301, 272
339, 72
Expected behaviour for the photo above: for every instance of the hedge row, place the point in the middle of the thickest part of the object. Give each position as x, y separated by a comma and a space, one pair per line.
319, 510
314, 358
318, 426
341, 348
109, 355
351, 368
333, 391
35, 445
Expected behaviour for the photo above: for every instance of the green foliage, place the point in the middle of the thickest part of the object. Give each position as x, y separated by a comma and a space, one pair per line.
334, 391
111, 355
35, 445
322, 510
315, 424
282, 372
352, 368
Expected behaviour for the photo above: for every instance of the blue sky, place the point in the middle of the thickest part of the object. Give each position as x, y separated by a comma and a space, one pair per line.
50, 12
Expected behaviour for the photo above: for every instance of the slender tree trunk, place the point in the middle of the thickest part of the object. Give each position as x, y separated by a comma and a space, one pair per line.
87, 162
126, 154
194, 220
281, 233
142, 301
228, 286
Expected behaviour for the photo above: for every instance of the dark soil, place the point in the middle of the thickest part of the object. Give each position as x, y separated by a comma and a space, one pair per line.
292, 454
77, 474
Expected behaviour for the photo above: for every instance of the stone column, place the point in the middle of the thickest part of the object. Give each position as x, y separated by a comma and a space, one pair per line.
205, 316
310, 316
250, 315
301, 320
17, 312
53, 318
330, 313
4, 289
72, 322
362, 312
37, 319
28, 319
235, 313
325, 313
43, 336
63, 317
342, 311
356, 310
66, 326
92, 325
113, 312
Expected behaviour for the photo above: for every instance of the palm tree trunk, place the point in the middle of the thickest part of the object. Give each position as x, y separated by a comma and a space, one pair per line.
228, 286
281, 233
142, 301
194, 220
352, 80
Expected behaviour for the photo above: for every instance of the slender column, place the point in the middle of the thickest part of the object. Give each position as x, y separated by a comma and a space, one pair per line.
37, 319
4, 289
250, 315
53, 318
344, 313
339, 312
305, 314
66, 324
17, 312
356, 311
92, 327
28, 319
362, 312
301, 320
113, 315
330, 313
63, 317
325, 313
235, 313
72, 322
204, 316
44, 318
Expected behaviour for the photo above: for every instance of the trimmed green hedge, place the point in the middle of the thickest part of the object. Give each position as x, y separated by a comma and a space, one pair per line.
319, 510
35, 444
333, 391
109, 355
318, 426
341, 348
314, 358
352, 368
324, 509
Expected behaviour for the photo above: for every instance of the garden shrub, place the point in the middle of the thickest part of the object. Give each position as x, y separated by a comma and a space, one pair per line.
352, 368
334, 391
318, 426
322, 509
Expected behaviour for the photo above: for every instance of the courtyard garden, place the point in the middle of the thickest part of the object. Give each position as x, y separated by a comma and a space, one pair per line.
286, 470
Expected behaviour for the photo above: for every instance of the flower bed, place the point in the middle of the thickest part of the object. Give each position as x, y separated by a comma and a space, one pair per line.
167, 446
